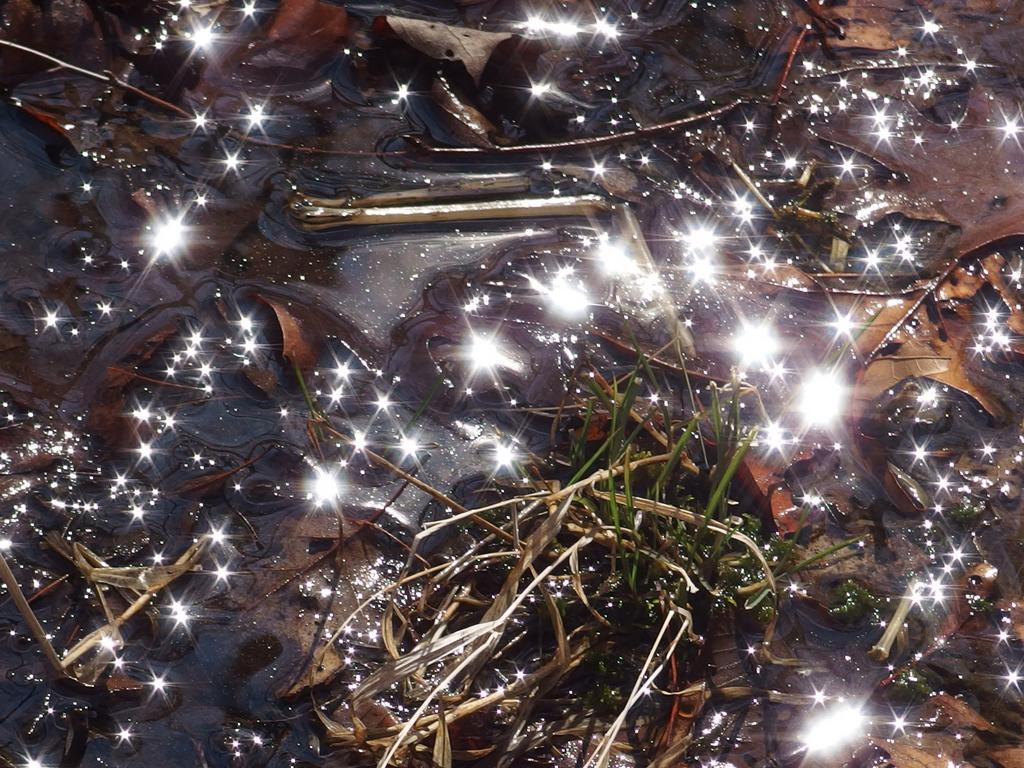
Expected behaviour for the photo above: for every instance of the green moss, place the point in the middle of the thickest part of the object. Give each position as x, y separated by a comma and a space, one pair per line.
909, 687
966, 512
978, 604
604, 694
852, 602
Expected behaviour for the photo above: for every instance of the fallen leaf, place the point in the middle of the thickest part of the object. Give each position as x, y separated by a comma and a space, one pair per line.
296, 344
992, 269
1010, 757
967, 176
765, 485
313, 24
933, 358
869, 25
962, 283
903, 489
619, 182
65, 28
883, 316
905, 756
118, 683
470, 126
957, 713
473, 47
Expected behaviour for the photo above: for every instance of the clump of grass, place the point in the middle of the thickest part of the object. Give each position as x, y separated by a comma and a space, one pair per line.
576, 612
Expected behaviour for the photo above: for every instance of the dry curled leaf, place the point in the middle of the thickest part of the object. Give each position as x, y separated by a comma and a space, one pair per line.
473, 47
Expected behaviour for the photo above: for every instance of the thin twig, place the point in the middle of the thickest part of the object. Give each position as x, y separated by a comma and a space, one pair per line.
794, 49
591, 141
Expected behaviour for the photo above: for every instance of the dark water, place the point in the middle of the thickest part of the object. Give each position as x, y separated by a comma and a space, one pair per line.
147, 398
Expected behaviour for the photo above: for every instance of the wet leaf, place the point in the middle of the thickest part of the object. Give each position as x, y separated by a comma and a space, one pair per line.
868, 25
882, 318
903, 487
65, 28
470, 126
958, 713
315, 25
472, 47
968, 176
905, 756
297, 346
118, 683
620, 182
1010, 757
941, 361
765, 484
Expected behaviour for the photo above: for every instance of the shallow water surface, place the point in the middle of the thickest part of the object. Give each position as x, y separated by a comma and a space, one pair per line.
174, 309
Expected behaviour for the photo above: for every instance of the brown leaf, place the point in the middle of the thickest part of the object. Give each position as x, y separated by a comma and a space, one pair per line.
265, 380
904, 490
473, 47
959, 714
470, 126
1009, 757
65, 28
118, 683
941, 361
905, 756
884, 315
316, 25
764, 483
962, 283
868, 25
620, 182
296, 344
992, 268
970, 177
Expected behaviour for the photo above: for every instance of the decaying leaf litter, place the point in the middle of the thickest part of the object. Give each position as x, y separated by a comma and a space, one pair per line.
436, 388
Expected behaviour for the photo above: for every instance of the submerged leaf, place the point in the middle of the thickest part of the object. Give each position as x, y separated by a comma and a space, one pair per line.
970, 177
473, 47
905, 756
313, 24
296, 345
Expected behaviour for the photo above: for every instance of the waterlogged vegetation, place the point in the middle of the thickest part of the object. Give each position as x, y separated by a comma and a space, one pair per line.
501, 384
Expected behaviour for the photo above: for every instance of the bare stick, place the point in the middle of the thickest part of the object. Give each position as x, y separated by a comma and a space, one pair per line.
30, 617
880, 650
